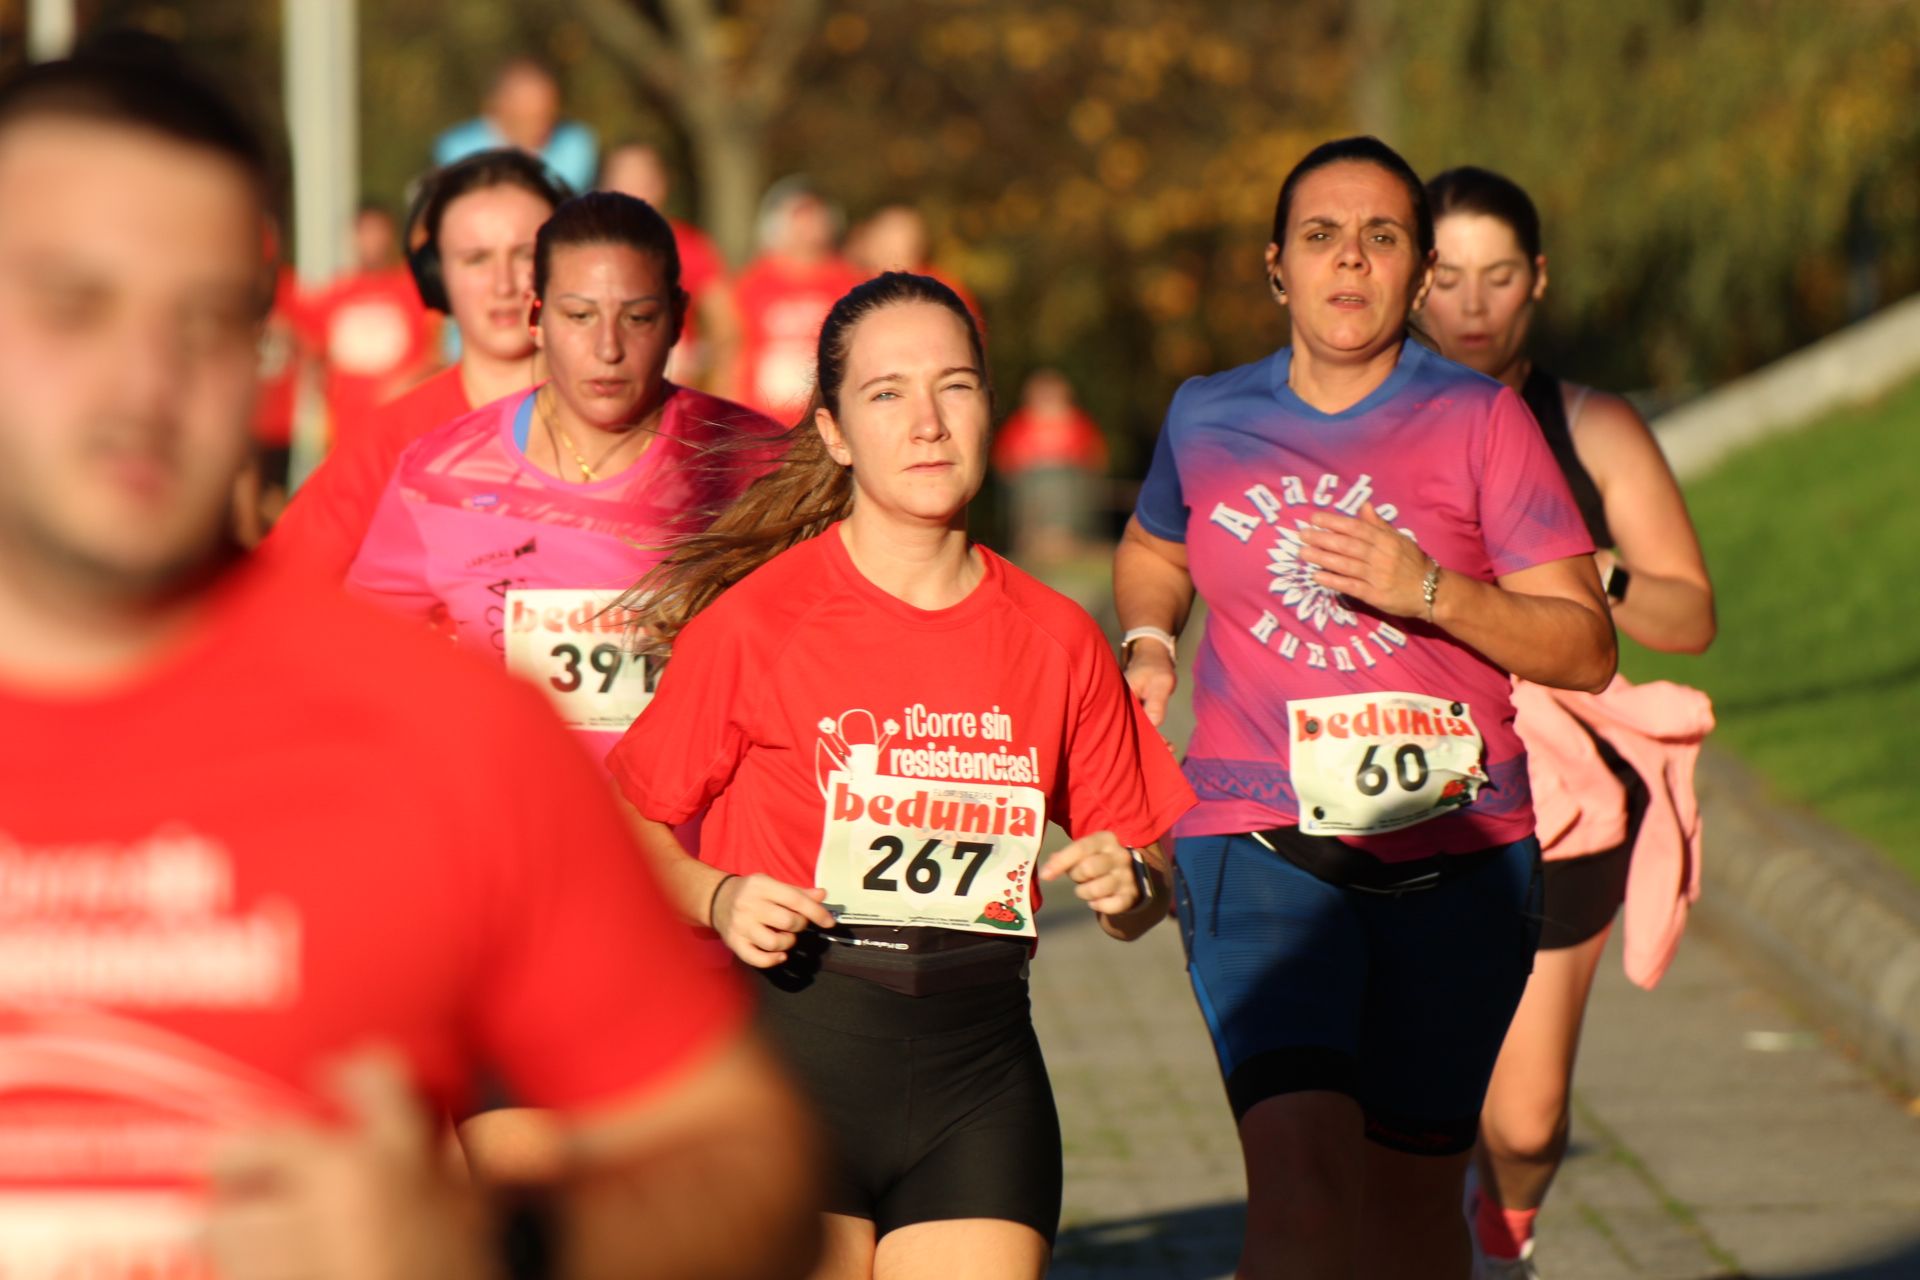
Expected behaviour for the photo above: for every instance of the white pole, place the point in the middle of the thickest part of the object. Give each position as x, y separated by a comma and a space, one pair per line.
50, 29
321, 61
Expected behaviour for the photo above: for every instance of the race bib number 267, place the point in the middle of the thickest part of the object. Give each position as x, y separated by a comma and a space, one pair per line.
907, 851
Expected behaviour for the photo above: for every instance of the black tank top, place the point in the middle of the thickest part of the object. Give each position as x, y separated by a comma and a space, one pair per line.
1542, 394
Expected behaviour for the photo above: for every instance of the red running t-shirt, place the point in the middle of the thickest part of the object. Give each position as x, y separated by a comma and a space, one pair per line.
806, 689
327, 520
782, 306
311, 829
279, 365
1028, 439
373, 335
701, 269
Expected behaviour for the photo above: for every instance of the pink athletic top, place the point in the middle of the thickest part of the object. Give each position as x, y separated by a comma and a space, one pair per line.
467, 526
1449, 458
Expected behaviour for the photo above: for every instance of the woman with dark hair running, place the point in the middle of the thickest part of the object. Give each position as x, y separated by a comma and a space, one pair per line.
879, 717
1381, 539
474, 222
515, 527
1603, 767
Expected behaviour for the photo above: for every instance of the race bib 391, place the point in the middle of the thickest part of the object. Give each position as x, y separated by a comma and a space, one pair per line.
572, 643
1367, 763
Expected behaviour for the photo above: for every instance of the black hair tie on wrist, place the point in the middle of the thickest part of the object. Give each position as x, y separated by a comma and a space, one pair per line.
713, 903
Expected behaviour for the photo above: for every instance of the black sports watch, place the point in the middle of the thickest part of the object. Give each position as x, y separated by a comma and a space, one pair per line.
1617, 580
1142, 877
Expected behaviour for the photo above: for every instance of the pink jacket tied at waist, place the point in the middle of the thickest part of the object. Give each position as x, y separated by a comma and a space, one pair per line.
1581, 808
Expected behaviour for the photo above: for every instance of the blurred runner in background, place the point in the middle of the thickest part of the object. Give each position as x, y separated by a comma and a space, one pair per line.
369, 329
784, 295
258, 930
710, 340
261, 494
475, 223
522, 110
1053, 459
895, 239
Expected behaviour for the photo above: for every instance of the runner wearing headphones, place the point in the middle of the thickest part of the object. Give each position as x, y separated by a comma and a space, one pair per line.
1381, 537
879, 718
475, 222
516, 527
257, 932
1490, 273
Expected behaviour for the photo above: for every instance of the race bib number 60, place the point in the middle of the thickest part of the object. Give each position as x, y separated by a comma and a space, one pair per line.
571, 642
907, 851
1367, 763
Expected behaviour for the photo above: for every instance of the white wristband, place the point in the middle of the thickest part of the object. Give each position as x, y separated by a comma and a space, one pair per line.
1136, 634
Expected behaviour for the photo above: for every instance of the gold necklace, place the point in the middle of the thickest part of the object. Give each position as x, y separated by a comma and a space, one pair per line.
588, 471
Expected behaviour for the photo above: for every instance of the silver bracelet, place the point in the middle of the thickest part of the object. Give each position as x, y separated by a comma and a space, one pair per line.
1430, 585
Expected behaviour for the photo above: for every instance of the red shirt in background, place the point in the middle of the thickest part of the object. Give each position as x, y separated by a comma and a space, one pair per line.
806, 669
782, 306
310, 829
1028, 439
701, 269
374, 338
279, 365
701, 266
328, 518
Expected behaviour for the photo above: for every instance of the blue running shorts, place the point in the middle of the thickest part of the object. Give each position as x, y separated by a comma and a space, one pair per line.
1398, 1001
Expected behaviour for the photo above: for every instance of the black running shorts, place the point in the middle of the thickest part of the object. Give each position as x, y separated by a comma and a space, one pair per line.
938, 1106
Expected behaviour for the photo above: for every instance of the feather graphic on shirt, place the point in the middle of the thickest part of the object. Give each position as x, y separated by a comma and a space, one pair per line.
1293, 583
851, 744
827, 761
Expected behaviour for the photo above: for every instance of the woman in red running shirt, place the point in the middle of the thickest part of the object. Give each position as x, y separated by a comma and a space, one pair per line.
879, 717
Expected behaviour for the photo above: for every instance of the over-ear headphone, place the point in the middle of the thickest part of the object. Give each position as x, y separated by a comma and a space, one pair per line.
502, 167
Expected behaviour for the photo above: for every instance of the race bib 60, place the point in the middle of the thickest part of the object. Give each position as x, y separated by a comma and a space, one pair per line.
1366, 763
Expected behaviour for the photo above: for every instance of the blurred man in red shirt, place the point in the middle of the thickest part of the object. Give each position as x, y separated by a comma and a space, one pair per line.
371, 333
895, 238
1052, 457
266, 915
710, 341
784, 296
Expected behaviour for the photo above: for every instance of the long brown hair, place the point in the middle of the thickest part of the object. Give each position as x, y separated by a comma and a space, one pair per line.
803, 494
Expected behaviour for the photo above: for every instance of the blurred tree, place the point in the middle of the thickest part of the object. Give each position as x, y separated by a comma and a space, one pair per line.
1721, 180
723, 72
1103, 175
1713, 175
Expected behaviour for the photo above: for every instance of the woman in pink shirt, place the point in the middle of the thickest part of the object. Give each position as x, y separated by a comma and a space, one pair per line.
1382, 541
515, 527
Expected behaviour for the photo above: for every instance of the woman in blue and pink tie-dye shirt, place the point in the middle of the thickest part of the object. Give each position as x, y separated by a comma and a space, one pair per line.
1382, 540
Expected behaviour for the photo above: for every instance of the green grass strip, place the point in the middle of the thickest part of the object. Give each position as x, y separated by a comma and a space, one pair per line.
1813, 540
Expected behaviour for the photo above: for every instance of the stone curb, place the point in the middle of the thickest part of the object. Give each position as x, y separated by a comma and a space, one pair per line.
1825, 919
1860, 363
